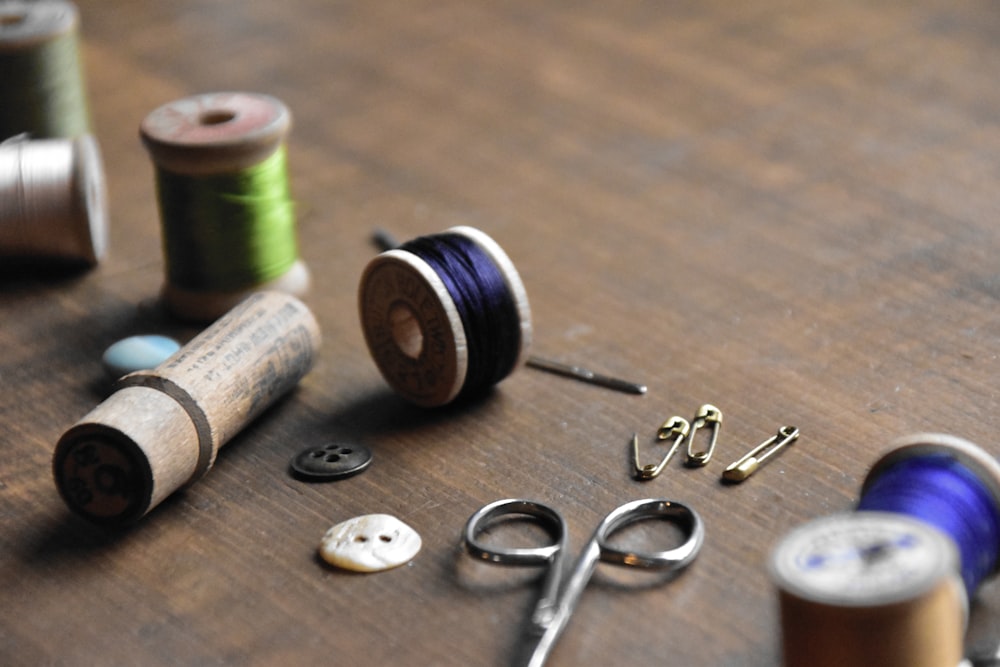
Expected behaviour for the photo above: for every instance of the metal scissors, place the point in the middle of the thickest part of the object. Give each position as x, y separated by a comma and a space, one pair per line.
557, 601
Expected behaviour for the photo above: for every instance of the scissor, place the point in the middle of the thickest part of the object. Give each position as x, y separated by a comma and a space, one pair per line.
557, 601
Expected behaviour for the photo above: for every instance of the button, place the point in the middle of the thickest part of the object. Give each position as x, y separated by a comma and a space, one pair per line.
330, 462
370, 543
137, 353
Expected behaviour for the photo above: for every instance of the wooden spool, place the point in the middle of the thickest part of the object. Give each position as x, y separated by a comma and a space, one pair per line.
869, 589
413, 329
60, 213
219, 133
162, 429
41, 97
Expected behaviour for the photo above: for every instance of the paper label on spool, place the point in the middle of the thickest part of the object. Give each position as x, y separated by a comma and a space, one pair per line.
863, 559
418, 345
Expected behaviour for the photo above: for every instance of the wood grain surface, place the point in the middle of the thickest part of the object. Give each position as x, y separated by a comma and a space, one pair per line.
786, 209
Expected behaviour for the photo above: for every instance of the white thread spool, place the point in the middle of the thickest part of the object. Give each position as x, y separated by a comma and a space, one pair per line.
162, 429
53, 200
869, 589
213, 134
413, 329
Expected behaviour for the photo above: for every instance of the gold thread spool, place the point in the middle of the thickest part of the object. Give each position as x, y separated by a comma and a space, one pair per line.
41, 77
53, 200
162, 429
208, 135
413, 329
869, 589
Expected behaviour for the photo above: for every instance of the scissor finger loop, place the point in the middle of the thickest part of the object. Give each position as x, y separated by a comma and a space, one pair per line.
678, 557
512, 509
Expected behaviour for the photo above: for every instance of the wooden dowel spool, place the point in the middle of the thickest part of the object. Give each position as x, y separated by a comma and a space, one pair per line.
53, 200
413, 329
869, 589
212, 134
162, 429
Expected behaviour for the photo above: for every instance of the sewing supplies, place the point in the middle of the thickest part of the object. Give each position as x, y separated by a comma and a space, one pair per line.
748, 464
584, 375
41, 77
559, 598
949, 483
711, 417
676, 427
227, 216
453, 292
137, 353
444, 315
330, 462
53, 199
370, 543
162, 429
869, 589
888, 584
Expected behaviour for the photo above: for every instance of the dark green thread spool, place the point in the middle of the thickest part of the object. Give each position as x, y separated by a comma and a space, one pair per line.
41, 77
227, 216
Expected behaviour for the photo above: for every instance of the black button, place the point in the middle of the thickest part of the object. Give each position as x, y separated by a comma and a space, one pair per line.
329, 462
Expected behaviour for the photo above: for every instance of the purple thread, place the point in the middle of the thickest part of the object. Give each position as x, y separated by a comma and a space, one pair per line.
940, 491
484, 302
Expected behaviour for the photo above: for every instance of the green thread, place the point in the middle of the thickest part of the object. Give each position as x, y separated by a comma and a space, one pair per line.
228, 231
41, 89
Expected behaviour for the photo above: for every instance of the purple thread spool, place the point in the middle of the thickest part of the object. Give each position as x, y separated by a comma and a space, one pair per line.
445, 316
950, 484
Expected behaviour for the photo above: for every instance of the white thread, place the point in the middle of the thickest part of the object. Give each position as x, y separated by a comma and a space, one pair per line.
52, 199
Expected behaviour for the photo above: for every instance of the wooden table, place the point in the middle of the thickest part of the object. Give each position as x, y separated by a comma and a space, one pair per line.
787, 209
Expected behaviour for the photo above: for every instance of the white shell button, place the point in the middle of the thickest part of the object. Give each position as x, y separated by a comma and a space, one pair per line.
370, 543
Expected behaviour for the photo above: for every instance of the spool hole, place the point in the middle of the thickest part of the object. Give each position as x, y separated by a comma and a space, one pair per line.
406, 331
216, 116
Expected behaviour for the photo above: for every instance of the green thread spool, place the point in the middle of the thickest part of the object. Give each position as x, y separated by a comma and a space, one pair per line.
41, 77
227, 216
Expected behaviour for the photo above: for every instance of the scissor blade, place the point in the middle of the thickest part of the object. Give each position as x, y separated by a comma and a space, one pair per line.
537, 644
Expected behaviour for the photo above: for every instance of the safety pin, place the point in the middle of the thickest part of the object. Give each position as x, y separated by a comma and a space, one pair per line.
676, 426
746, 466
707, 414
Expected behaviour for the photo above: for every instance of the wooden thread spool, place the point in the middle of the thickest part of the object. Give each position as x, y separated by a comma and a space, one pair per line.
162, 429
41, 78
869, 589
199, 140
53, 200
413, 328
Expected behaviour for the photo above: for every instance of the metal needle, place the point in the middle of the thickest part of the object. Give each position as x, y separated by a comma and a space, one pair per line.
585, 375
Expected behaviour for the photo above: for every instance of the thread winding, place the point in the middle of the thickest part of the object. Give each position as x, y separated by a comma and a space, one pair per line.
940, 491
445, 316
484, 303
226, 212
41, 76
53, 200
226, 231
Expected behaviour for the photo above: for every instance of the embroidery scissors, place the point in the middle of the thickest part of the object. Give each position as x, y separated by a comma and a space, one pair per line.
557, 601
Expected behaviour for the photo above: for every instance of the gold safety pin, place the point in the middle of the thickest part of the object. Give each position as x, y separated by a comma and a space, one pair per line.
746, 466
675, 426
707, 415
